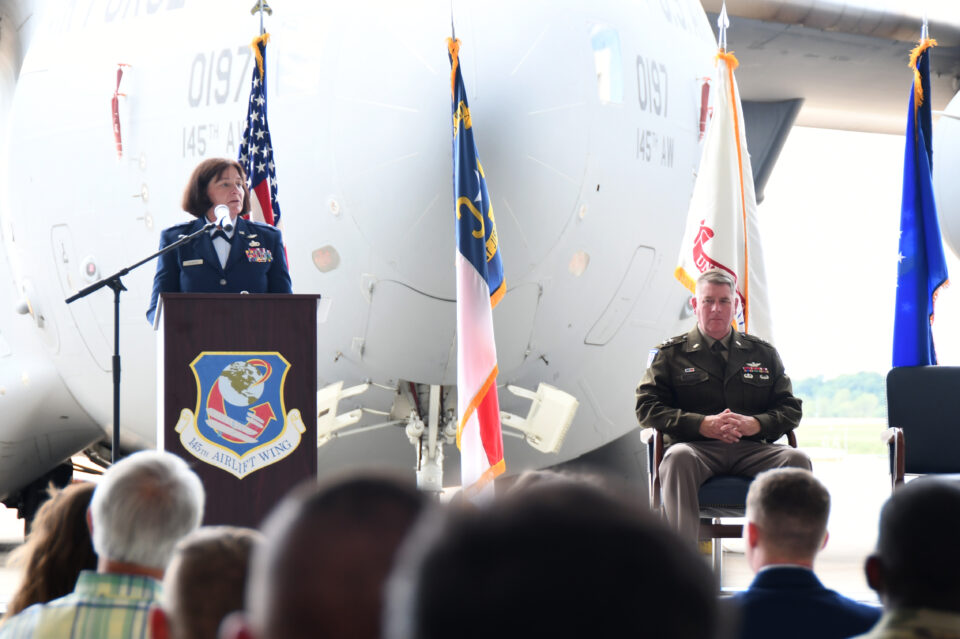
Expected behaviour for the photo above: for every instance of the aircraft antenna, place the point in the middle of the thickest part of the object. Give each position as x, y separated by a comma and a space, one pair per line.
722, 23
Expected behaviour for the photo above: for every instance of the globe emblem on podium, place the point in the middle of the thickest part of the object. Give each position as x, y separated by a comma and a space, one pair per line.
240, 424
241, 382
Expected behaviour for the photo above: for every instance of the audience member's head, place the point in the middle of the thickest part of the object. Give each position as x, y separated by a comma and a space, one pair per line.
205, 581
787, 512
553, 560
328, 551
56, 550
142, 507
917, 559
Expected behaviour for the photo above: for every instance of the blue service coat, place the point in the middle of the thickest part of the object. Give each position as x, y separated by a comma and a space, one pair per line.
256, 263
789, 601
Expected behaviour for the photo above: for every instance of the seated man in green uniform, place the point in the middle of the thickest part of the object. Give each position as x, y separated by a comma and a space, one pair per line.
721, 398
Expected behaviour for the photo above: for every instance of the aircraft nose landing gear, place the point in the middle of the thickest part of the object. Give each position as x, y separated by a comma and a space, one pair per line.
428, 440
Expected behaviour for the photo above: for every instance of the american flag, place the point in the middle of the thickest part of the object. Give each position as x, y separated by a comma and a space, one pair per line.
256, 150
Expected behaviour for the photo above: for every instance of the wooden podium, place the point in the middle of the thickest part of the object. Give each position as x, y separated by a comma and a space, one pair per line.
237, 394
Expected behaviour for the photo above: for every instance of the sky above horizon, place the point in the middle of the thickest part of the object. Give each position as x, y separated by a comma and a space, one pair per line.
830, 222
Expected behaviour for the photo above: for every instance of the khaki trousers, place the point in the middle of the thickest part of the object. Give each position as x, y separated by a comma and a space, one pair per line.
687, 465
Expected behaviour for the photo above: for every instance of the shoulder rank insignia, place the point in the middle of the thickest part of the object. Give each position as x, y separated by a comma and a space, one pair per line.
673, 341
754, 338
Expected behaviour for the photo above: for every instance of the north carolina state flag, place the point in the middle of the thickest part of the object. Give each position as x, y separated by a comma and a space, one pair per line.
480, 285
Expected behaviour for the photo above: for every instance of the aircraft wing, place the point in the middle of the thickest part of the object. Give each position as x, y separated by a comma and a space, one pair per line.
846, 61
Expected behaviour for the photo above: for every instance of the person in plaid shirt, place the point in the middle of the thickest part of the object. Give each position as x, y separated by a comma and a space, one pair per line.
141, 508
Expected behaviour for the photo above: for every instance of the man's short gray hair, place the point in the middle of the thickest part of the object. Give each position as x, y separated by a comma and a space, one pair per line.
716, 276
143, 506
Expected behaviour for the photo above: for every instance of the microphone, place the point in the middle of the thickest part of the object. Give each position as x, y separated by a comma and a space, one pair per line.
223, 217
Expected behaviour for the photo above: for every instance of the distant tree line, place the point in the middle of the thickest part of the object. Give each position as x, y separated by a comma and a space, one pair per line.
852, 395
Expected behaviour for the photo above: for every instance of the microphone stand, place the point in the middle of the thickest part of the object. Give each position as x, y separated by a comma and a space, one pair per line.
114, 283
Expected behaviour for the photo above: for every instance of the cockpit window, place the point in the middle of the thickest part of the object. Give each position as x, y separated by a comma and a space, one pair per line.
608, 62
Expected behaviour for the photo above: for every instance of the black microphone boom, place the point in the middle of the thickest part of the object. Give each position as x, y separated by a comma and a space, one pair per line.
117, 286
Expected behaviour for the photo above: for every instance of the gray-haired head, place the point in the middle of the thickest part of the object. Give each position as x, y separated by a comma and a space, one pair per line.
717, 276
143, 506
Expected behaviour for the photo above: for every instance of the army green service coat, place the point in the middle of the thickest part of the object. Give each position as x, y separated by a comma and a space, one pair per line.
685, 382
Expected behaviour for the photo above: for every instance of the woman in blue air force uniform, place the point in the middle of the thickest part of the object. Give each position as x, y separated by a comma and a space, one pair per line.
250, 259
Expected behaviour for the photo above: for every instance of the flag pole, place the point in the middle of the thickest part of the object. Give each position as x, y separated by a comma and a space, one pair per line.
723, 22
256, 153
260, 7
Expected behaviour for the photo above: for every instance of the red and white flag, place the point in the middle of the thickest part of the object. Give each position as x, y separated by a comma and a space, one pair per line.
722, 231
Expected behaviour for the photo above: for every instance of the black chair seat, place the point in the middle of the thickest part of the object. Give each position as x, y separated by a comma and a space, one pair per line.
724, 496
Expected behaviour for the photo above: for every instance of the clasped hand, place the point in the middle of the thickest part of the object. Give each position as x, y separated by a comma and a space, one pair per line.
728, 426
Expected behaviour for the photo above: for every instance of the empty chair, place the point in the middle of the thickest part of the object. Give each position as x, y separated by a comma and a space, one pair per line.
923, 415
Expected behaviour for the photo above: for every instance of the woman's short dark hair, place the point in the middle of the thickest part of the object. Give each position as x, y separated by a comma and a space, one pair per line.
196, 202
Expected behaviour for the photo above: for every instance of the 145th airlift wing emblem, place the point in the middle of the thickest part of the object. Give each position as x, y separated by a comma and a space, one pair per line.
240, 423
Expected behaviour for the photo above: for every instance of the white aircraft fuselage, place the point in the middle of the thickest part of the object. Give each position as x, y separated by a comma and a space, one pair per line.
587, 118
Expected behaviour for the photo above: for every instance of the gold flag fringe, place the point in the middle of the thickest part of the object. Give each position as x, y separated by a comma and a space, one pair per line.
915, 54
265, 38
453, 46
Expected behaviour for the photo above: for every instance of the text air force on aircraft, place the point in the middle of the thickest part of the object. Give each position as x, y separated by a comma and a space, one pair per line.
588, 119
